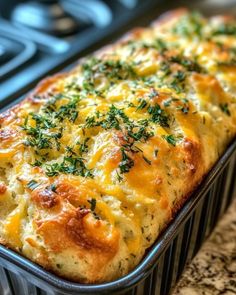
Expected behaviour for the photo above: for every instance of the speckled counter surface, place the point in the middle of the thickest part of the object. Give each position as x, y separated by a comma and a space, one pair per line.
213, 270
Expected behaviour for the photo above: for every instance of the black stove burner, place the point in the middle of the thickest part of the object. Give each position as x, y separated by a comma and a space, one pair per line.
46, 16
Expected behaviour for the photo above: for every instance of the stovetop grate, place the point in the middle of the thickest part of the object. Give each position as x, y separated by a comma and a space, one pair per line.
14, 50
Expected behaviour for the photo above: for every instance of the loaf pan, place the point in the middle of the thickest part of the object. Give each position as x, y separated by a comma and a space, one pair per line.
164, 261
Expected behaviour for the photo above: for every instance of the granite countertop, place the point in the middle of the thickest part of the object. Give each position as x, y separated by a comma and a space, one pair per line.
213, 270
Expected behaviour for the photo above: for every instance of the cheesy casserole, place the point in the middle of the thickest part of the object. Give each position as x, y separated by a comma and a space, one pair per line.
95, 162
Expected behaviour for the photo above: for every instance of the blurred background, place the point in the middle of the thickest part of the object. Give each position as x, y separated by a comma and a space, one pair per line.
39, 37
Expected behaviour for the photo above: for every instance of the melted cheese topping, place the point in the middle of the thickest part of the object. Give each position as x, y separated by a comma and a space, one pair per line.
94, 163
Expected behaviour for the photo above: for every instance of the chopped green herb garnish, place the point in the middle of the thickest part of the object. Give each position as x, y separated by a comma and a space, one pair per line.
68, 110
180, 76
185, 107
156, 152
153, 93
126, 162
119, 177
142, 104
177, 82
190, 25
93, 203
70, 165
165, 68
225, 108
32, 184
170, 139
167, 103
37, 163
158, 115
190, 65
39, 136
52, 187
83, 147
112, 69
147, 160
225, 29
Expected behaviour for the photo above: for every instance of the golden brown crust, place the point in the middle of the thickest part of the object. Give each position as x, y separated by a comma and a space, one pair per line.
170, 16
3, 188
45, 198
46, 85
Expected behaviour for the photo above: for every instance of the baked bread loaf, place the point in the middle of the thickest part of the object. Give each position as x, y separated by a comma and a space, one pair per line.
95, 162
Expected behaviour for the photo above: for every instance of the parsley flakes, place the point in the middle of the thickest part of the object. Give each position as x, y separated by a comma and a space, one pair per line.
225, 108
32, 184
126, 161
92, 203
170, 139
70, 165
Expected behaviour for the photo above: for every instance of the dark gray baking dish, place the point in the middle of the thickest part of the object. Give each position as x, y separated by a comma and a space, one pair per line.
164, 261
